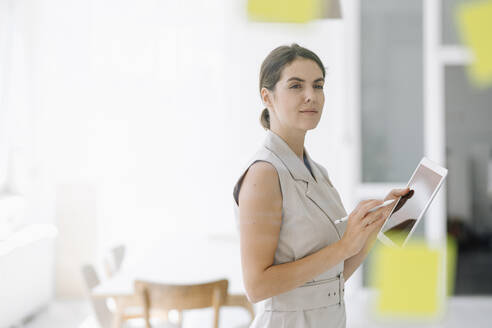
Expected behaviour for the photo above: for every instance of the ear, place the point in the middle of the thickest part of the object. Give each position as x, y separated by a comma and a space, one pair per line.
266, 97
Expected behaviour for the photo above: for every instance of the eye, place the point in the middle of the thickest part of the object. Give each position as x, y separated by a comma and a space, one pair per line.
295, 86
319, 86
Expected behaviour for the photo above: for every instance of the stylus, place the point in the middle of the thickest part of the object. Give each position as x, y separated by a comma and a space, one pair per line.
386, 203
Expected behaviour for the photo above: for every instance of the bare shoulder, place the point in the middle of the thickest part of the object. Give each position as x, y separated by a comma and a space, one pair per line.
261, 187
261, 172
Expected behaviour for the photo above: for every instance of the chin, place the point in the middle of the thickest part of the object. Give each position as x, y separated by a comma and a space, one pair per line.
307, 126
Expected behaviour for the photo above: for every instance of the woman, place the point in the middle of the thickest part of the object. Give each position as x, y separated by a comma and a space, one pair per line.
294, 258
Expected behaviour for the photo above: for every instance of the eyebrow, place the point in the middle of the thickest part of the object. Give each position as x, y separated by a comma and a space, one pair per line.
301, 80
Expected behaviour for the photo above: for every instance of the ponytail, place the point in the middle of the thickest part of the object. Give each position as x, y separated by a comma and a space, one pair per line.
265, 119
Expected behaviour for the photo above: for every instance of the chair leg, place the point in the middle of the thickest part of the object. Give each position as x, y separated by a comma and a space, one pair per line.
216, 316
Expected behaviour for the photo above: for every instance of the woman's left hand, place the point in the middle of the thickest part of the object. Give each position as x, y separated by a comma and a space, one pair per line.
396, 193
405, 195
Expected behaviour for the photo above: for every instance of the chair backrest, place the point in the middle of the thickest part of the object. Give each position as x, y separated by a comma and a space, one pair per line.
114, 260
101, 310
182, 297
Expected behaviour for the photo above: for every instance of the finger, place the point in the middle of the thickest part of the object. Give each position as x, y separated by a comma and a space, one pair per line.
402, 192
364, 202
380, 213
361, 204
373, 228
383, 216
379, 223
374, 220
360, 210
368, 206
395, 193
371, 204
387, 209
372, 217
370, 229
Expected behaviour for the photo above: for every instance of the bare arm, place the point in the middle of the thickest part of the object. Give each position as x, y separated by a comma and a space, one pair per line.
260, 209
260, 216
351, 264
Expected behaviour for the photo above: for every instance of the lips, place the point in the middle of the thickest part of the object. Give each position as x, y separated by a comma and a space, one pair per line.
309, 111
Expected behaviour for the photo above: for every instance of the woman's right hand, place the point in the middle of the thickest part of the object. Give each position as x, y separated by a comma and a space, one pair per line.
361, 224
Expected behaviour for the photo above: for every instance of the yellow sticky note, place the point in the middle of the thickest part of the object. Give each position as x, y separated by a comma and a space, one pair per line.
475, 25
408, 281
287, 11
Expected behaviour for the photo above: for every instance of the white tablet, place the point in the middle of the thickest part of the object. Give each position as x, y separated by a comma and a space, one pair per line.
407, 212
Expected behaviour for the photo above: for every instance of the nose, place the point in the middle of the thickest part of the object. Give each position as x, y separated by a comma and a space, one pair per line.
309, 95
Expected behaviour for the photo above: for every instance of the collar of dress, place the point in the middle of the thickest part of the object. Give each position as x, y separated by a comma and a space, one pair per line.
294, 164
317, 190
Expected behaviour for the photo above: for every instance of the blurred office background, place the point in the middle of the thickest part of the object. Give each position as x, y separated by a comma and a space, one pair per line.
128, 123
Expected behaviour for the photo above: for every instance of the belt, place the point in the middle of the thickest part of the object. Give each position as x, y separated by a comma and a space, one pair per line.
312, 295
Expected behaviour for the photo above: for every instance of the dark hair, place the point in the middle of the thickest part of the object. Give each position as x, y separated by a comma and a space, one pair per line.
272, 67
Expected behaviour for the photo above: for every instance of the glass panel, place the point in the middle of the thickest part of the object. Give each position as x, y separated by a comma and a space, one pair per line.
468, 158
391, 94
391, 90
468, 149
450, 34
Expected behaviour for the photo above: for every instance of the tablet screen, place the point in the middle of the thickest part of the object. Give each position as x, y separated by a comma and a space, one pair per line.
408, 209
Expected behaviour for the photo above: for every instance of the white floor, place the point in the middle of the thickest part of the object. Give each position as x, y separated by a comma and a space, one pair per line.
470, 312
66, 313
460, 311
78, 314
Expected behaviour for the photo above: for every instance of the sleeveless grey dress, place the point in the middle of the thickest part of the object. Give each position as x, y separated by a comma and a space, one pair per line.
310, 205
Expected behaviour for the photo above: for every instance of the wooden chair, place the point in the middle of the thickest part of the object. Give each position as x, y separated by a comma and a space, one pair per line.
104, 315
182, 297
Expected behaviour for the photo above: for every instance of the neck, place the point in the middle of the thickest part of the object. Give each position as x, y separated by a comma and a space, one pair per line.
293, 138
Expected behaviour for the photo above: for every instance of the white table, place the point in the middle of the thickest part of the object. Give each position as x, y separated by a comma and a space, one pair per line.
186, 261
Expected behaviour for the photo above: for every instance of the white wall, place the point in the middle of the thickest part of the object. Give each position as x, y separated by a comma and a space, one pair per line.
20, 176
155, 107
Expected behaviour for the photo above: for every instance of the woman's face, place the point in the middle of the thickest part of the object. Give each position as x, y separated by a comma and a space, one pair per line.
298, 98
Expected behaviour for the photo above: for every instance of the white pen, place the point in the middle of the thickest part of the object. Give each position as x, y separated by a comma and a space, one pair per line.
386, 203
